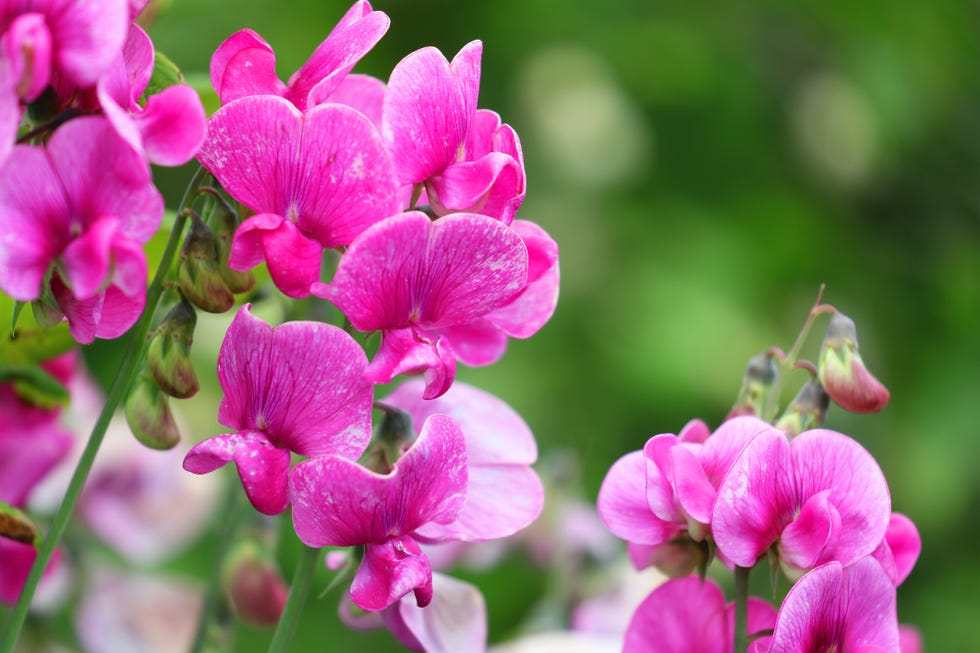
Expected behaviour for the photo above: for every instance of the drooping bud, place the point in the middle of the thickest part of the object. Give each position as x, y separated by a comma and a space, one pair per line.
843, 373
198, 275
760, 376
808, 410
15, 525
168, 356
149, 416
393, 436
224, 221
255, 589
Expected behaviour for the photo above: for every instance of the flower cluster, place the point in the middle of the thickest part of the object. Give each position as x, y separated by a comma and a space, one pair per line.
82, 114
814, 503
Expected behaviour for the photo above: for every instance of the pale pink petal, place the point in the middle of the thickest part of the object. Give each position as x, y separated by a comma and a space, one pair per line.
88, 36
426, 114
34, 221
336, 502
756, 499
455, 620
623, 505
299, 383
262, 467
494, 432
173, 125
364, 93
680, 616
389, 571
827, 460
816, 527
838, 608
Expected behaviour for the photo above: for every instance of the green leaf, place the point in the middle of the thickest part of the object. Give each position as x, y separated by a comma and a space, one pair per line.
165, 74
34, 385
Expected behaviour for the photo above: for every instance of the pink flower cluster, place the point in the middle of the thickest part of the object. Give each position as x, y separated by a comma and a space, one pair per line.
817, 504
336, 161
78, 129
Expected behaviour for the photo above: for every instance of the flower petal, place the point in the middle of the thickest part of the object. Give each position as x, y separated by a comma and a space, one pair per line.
623, 505
680, 616
455, 620
389, 571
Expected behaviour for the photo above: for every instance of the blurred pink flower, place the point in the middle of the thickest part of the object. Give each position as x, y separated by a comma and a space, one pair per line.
296, 387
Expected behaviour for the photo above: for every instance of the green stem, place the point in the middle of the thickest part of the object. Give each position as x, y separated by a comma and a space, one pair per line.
120, 386
741, 608
302, 579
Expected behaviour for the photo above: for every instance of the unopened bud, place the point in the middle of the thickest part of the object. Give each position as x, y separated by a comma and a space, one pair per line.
759, 379
680, 557
149, 416
255, 589
169, 353
394, 435
15, 525
807, 411
843, 373
224, 222
198, 275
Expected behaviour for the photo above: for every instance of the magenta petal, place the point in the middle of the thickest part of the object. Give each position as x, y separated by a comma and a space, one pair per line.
838, 608
424, 130
389, 571
293, 259
246, 244
826, 460
410, 351
478, 343
364, 93
16, 560
455, 620
695, 493
300, 383
242, 40
756, 499
250, 72
623, 505
88, 36
27, 49
336, 502
660, 477
680, 616
263, 467
816, 526
900, 548
29, 448
86, 260
466, 68
173, 125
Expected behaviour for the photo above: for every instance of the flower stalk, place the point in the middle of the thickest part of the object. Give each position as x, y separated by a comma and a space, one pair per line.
298, 590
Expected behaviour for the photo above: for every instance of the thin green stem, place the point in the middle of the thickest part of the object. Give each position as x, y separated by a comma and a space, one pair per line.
302, 579
120, 386
741, 608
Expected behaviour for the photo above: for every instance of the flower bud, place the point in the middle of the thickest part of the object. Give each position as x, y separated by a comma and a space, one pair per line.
224, 222
760, 376
149, 416
255, 589
198, 275
168, 356
808, 410
15, 525
680, 557
842, 372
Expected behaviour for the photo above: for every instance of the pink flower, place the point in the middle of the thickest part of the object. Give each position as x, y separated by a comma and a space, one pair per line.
314, 180
849, 608
819, 498
503, 494
296, 387
686, 614
899, 549
246, 65
466, 159
336, 502
171, 126
431, 287
86, 204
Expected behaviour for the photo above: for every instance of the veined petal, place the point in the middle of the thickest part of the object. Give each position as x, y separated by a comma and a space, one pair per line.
250, 71
294, 260
241, 40
262, 467
489, 185
623, 505
408, 351
336, 502
455, 620
299, 383
390, 570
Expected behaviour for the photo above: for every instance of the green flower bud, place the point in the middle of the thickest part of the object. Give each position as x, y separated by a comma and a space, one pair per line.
224, 222
808, 410
168, 356
198, 275
759, 379
149, 416
16, 526
843, 373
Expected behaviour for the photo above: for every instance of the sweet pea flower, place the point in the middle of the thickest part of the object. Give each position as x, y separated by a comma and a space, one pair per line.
850, 609
429, 287
336, 502
688, 614
44, 40
817, 498
84, 204
245, 64
465, 159
332, 180
171, 127
503, 494
297, 387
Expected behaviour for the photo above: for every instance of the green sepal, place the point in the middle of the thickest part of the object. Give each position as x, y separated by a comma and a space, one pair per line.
14, 316
34, 385
165, 74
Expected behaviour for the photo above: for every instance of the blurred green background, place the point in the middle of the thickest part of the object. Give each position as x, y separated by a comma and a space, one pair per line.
704, 167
